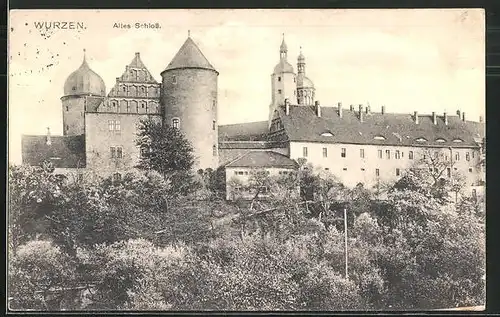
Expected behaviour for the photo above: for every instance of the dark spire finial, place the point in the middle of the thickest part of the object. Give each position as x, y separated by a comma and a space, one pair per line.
189, 33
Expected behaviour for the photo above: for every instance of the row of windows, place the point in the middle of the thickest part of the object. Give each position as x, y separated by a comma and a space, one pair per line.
397, 154
279, 79
248, 172
139, 91
133, 106
262, 189
116, 151
398, 171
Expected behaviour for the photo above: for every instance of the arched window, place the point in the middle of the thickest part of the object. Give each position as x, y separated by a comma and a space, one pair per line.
176, 123
214, 150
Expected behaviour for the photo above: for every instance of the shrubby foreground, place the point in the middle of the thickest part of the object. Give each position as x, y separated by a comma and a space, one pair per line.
133, 244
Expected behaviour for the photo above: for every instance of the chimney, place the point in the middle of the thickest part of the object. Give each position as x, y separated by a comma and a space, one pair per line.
287, 107
368, 109
383, 109
415, 117
351, 107
49, 141
445, 118
434, 119
339, 105
463, 116
360, 113
318, 108
481, 119
458, 113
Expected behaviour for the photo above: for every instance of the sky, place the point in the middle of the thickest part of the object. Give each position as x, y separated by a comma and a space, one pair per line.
408, 60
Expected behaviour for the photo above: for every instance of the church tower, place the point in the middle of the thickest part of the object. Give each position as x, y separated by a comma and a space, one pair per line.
283, 81
83, 89
189, 100
305, 86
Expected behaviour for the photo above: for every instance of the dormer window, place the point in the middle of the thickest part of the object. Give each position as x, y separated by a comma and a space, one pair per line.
440, 140
421, 140
176, 123
328, 133
379, 137
458, 140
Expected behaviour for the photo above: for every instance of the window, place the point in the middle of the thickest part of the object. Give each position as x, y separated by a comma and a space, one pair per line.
467, 156
344, 169
213, 104
436, 170
116, 152
380, 154
362, 153
74, 88
397, 172
410, 155
174, 80
326, 134
448, 172
474, 193
117, 125
67, 108
264, 189
214, 150
117, 177
421, 140
111, 125
279, 78
472, 154
379, 137
342, 152
457, 141
124, 89
397, 155
457, 156
430, 169
176, 123
470, 169
327, 169
213, 125
304, 151
294, 79
325, 152
362, 169
279, 91
440, 140
377, 172
128, 107
388, 154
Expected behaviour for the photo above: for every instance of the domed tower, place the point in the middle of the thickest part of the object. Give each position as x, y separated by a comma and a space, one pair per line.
80, 87
305, 86
283, 81
189, 101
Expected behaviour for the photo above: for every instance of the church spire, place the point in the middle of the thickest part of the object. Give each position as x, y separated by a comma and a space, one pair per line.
301, 63
84, 63
283, 49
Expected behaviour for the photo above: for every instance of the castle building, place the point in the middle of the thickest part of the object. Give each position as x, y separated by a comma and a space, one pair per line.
357, 145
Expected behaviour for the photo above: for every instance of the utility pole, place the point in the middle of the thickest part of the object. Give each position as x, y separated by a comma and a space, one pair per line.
345, 241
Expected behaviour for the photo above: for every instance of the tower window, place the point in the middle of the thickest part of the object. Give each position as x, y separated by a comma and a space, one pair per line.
470, 169
279, 91
325, 152
279, 78
343, 152
214, 150
294, 79
117, 125
410, 155
362, 153
213, 125
397, 155
377, 172
388, 154
457, 157
176, 123
67, 108
304, 151
467, 156
379, 154
397, 172
174, 79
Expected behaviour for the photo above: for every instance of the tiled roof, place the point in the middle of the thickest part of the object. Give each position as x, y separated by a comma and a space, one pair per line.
302, 124
92, 103
189, 56
63, 152
250, 131
263, 159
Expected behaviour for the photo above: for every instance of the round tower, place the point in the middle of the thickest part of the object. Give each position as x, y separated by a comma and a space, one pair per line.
189, 101
283, 81
80, 86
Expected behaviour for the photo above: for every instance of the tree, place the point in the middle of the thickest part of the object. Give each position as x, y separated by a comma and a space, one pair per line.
165, 150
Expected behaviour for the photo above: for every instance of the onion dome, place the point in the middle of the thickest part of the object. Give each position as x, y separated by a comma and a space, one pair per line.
84, 81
